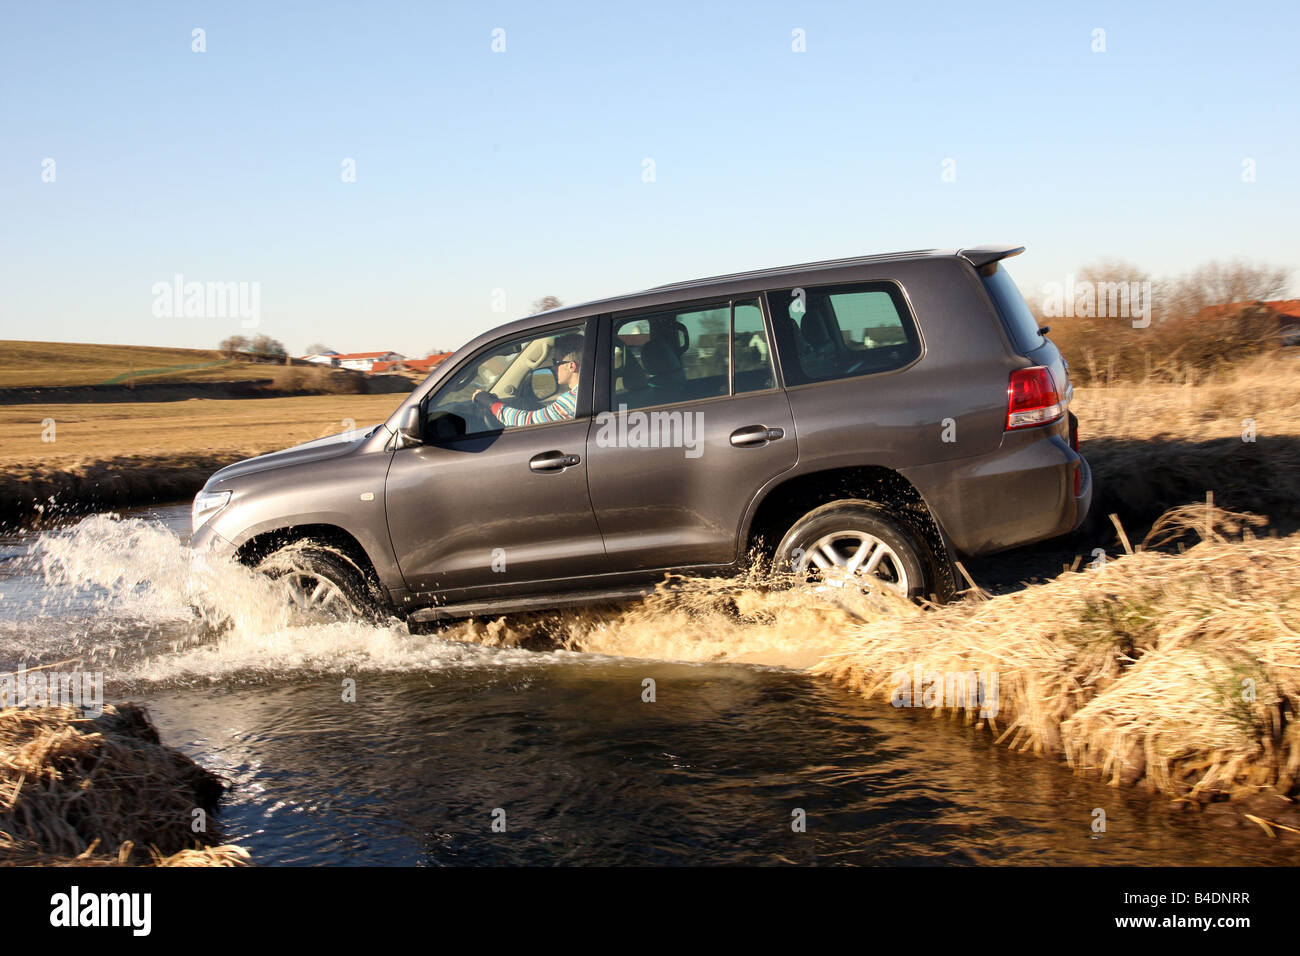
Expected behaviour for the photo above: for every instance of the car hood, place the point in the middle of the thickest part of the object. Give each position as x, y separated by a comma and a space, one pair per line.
331, 446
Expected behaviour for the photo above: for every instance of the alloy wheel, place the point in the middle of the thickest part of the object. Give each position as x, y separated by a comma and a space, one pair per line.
853, 557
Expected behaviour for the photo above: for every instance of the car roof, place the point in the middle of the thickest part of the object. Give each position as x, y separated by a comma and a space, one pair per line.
833, 269
977, 256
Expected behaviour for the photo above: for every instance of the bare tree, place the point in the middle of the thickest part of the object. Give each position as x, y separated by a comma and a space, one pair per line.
1113, 270
265, 345
232, 346
1223, 283
546, 303
316, 349
1200, 321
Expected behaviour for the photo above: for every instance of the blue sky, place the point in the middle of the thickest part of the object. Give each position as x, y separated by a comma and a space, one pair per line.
522, 171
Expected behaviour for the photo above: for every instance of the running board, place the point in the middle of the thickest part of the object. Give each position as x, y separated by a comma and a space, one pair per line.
539, 602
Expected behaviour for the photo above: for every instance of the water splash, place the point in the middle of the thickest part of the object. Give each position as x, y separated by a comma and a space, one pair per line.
128, 594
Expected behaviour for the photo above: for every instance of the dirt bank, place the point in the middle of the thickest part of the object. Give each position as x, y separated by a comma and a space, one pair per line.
1176, 671
146, 392
104, 791
37, 493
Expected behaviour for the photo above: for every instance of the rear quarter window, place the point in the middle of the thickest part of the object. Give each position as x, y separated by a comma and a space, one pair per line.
833, 332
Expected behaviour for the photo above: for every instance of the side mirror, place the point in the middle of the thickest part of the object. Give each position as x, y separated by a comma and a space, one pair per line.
446, 426
408, 430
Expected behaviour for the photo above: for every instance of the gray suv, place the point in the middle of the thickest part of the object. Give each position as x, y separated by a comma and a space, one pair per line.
866, 421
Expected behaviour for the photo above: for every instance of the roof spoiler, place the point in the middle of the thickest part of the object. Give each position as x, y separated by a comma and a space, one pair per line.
985, 258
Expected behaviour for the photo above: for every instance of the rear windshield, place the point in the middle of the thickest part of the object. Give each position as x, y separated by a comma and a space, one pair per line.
1019, 321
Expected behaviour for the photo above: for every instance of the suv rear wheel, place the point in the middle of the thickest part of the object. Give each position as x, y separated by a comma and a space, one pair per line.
320, 583
857, 542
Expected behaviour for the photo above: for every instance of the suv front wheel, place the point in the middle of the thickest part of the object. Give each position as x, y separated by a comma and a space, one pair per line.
320, 583
857, 542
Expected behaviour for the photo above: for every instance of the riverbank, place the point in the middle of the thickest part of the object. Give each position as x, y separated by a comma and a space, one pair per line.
89, 457
1178, 672
76, 791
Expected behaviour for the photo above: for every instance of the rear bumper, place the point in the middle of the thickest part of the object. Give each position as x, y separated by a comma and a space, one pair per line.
1021, 493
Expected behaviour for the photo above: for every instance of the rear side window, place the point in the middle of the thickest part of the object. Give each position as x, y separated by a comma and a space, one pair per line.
674, 356
683, 355
1019, 321
835, 332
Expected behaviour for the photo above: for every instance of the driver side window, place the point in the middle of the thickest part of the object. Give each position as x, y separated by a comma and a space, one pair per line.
526, 381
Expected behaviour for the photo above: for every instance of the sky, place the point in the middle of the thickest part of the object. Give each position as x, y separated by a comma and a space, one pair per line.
380, 177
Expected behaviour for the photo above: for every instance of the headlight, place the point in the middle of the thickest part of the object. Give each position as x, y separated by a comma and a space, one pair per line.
206, 504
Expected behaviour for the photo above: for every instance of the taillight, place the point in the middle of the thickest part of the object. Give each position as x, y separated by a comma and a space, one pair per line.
1032, 398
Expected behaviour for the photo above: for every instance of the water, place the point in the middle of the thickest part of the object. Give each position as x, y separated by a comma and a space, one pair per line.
455, 728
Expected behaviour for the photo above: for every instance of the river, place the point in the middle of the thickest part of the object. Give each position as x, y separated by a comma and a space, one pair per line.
450, 734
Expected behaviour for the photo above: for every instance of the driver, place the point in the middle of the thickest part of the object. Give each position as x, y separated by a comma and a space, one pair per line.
569, 348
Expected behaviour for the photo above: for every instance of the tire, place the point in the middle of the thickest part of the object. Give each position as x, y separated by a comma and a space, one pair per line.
322, 583
854, 528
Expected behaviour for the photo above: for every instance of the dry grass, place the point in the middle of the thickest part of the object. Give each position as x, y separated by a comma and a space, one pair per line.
71, 786
1262, 389
66, 363
197, 426
115, 455
1180, 671
1157, 446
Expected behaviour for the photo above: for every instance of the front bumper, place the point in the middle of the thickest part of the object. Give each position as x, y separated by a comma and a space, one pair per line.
206, 543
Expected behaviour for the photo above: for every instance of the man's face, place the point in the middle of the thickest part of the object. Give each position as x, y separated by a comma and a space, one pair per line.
566, 373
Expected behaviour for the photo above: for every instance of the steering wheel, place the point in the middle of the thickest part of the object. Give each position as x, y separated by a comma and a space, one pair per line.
476, 418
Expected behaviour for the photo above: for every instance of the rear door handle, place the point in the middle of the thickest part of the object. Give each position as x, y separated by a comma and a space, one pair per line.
755, 435
553, 461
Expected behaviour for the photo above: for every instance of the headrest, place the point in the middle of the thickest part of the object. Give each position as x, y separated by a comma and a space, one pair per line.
659, 357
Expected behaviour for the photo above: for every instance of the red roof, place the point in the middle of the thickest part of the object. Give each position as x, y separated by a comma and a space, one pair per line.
1288, 307
1282, 308
425, 364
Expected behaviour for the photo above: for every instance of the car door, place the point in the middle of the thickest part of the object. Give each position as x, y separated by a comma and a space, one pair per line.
478, 508
692, 424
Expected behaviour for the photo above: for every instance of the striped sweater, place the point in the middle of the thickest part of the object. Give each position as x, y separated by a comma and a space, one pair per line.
560, 410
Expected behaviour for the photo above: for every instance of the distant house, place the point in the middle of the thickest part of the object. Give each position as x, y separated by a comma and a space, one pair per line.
321, 358
364, 361
419, 366
427, 365
377, 363
1285, 311
1288, 318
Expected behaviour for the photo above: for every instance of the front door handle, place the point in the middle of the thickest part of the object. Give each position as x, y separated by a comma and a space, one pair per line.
553, 461
755, 435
